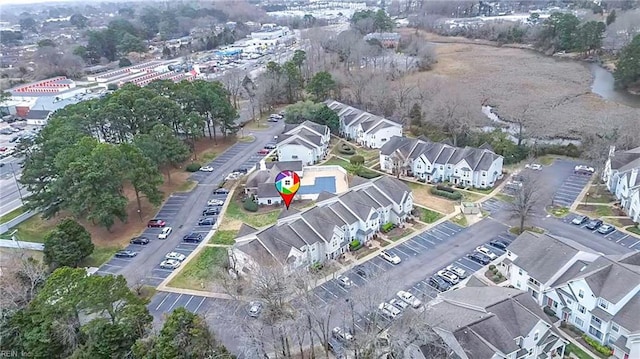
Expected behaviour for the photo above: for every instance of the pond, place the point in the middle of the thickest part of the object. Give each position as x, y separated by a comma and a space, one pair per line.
603, 86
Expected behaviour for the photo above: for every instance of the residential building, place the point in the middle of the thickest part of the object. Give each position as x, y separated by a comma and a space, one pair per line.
307, 142
620, 174
437, 162
386, 39
366, 129
300, 239
599, 294
493, 322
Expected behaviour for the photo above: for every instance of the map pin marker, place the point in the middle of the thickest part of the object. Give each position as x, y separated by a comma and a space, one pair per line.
287, 184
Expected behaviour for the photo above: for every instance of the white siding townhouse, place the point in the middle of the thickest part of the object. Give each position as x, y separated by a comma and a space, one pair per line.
493, 323
307, 142
300, 239
436, 162
599, 294
621, 177
366, 129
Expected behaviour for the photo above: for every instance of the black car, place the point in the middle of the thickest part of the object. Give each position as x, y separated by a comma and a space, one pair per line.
241, 170
209, 221
439, 283
361, 272
594, 224
499, 244
139, 240
479, 258
211, 211
221, 191
126, 254
192, 237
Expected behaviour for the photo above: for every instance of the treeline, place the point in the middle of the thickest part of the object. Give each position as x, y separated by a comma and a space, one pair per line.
88, 152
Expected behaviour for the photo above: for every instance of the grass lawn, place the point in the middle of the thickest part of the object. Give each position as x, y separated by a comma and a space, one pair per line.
428, 216
559, 211
633, 229
365, 251
224, 237
546, 160
258, 219
11, 215
99, 256
422, 196
598, 194
470, 196
399, 233
334, 161
572, 348
33, 229
604, 211
7, 253
504, 197
516, 230
460, 220
201, 269
256, 125
481, 190
207, 157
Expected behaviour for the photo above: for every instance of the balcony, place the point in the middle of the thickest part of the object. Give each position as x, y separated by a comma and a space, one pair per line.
534, 284
595, 322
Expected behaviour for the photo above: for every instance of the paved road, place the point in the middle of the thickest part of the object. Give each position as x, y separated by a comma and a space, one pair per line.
9, 194
182, 211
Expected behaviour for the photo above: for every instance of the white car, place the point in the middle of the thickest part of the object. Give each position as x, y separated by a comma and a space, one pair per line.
206, 169
409, 299
166, 231
389, 257
389, 310
175, 255
341, 334
215, 202
583, 168
484, 250
170, 264
457, 271
344, 281
533, 166
402, 305
449, 277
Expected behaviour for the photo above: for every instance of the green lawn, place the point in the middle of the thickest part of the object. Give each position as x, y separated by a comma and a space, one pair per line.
235, 211
11, 215
571, 348
361, 171
33, 229
334, 161
470, 196
208, 156
224, 237
604, 211
633, 229
428, 216
249, 139
99, 256
460, 220
201, 270
547, 160
481, 190
559, 211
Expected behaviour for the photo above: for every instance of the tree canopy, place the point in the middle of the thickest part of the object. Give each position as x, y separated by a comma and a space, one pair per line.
67, 244
315, 112
627, 72
321, 86
368, 21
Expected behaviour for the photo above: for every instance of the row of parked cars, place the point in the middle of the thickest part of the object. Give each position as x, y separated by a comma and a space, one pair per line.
594, 225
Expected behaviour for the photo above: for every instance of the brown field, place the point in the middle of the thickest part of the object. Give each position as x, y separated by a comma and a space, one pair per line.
556, 91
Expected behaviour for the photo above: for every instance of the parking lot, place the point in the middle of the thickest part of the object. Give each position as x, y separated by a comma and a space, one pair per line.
570, 189
623, 239
493, 205
169, 210
226, 157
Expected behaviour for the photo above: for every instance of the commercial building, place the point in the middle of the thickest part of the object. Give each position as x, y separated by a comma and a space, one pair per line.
270, 36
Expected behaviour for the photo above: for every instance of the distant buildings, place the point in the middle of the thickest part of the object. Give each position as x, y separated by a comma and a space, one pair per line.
437, 162
621, 177
307, 142
386, 39
270, 36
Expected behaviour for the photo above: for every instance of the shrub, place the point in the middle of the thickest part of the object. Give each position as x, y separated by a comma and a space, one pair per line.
357, 160
387, 227
355, 245
346, 149
445, 188
250, 205
495, 271
456, 196
492, 267
367, 173
569, 150
605, 350
550, 312
495, 278
193, 167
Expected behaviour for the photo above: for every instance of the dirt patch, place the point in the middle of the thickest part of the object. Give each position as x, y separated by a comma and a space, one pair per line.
557, 91
423, 197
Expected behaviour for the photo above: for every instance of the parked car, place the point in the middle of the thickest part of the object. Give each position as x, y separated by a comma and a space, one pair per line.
272, 119
484, 250
399, 304
264, 151
206, 169
175, 255
461, 273
270, 146
344, 281
594, 224
126, 254
449, 277
341, 334
241, 170
156, 223
215, 203
276, 115
439, 283
514, 185
499, 244
361, 271
170, 264
580, 220
255, 308
193, 237
583, 169
389, 310
606, 229
389, 257
139, 240
166, 231
211, 211
533, 166
209, 221
221, 191
479, 258
409, 299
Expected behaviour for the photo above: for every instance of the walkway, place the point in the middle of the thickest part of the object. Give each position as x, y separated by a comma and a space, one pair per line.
8, 243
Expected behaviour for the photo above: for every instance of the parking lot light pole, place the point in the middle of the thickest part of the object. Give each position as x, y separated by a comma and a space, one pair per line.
586, 198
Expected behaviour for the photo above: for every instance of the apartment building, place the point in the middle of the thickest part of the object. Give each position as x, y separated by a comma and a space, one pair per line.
307, 142
620, 174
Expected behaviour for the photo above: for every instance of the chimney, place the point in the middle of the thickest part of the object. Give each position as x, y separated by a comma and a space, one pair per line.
612, 151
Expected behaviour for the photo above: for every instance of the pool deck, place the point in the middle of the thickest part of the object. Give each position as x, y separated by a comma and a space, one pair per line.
310, 175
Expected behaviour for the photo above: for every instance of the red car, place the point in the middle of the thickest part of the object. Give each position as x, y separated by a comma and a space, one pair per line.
2, 149
263, 151
156, 223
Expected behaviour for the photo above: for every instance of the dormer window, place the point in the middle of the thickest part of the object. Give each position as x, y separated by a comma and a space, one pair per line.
603, 304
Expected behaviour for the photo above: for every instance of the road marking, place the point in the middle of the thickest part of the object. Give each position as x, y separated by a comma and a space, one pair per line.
412, 248
437, 230
189, 301
403, 252
418, 244
199, 304
323, 301
330, 292
357, 326
339, 286
618, 241
174, 303
162, 302
425, 239
463, 265
634, 244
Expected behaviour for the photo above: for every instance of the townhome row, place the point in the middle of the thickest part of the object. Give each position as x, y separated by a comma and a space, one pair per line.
307, 142
599, 294
324, 231
366, 129
620, 174
437, 162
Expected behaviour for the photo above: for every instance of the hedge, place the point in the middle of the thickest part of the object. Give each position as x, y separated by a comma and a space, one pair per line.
193, 167
356, 160
387, 227
445, 188
605, 350
345, 149
367, 173
250, 205
355, 245
454, 196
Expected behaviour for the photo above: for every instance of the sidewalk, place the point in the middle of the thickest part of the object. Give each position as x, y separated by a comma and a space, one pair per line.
7, 243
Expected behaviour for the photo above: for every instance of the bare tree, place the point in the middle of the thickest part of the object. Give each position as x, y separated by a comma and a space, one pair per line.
454, 110
233, 81
22, 276
525, 199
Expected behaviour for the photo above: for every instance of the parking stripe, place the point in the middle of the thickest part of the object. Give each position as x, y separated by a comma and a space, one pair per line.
411, 248
398, 249
459, 262
323, 301
189, 301
425, 239
443, 233
417, 243
174, 303
162, 302
633, 245
618, 241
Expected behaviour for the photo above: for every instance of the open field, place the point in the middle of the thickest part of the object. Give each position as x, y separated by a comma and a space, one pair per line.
200, 272
556, 92
423, 197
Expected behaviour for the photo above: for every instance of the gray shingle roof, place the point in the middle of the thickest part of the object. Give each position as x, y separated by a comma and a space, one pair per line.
324, 195
246, 229
570, 273
351, 116
285, 165
37, 114
285, 213
610, 280
624, 160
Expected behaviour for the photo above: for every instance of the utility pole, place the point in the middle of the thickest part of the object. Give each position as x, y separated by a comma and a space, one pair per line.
17, 183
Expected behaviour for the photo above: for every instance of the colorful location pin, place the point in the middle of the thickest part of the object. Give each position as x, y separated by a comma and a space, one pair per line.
287, 184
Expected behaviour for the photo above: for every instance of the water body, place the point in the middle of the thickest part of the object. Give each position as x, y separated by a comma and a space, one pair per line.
603, 86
